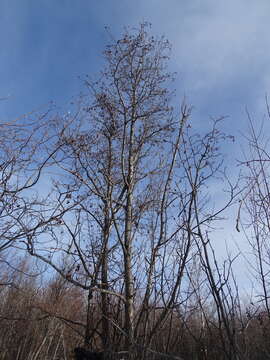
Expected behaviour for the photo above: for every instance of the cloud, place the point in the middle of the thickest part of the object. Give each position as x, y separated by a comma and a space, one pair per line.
220, 50
222, 40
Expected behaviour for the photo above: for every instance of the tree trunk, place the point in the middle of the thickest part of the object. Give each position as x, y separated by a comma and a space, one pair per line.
104, 285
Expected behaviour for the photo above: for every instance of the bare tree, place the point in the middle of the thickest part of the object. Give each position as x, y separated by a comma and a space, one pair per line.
254, 206
22, 160
129, 196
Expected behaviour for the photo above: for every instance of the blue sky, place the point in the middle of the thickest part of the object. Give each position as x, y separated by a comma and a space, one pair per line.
220, 51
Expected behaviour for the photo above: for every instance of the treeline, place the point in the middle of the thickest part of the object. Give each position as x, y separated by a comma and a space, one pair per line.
48, 321
117, 202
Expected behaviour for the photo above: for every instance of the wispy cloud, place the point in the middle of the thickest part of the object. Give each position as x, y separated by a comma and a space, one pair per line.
220, 50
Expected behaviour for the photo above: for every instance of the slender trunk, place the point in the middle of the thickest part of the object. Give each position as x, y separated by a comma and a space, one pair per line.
106, 331
129, 285
87, 335
129, 281
104, 297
